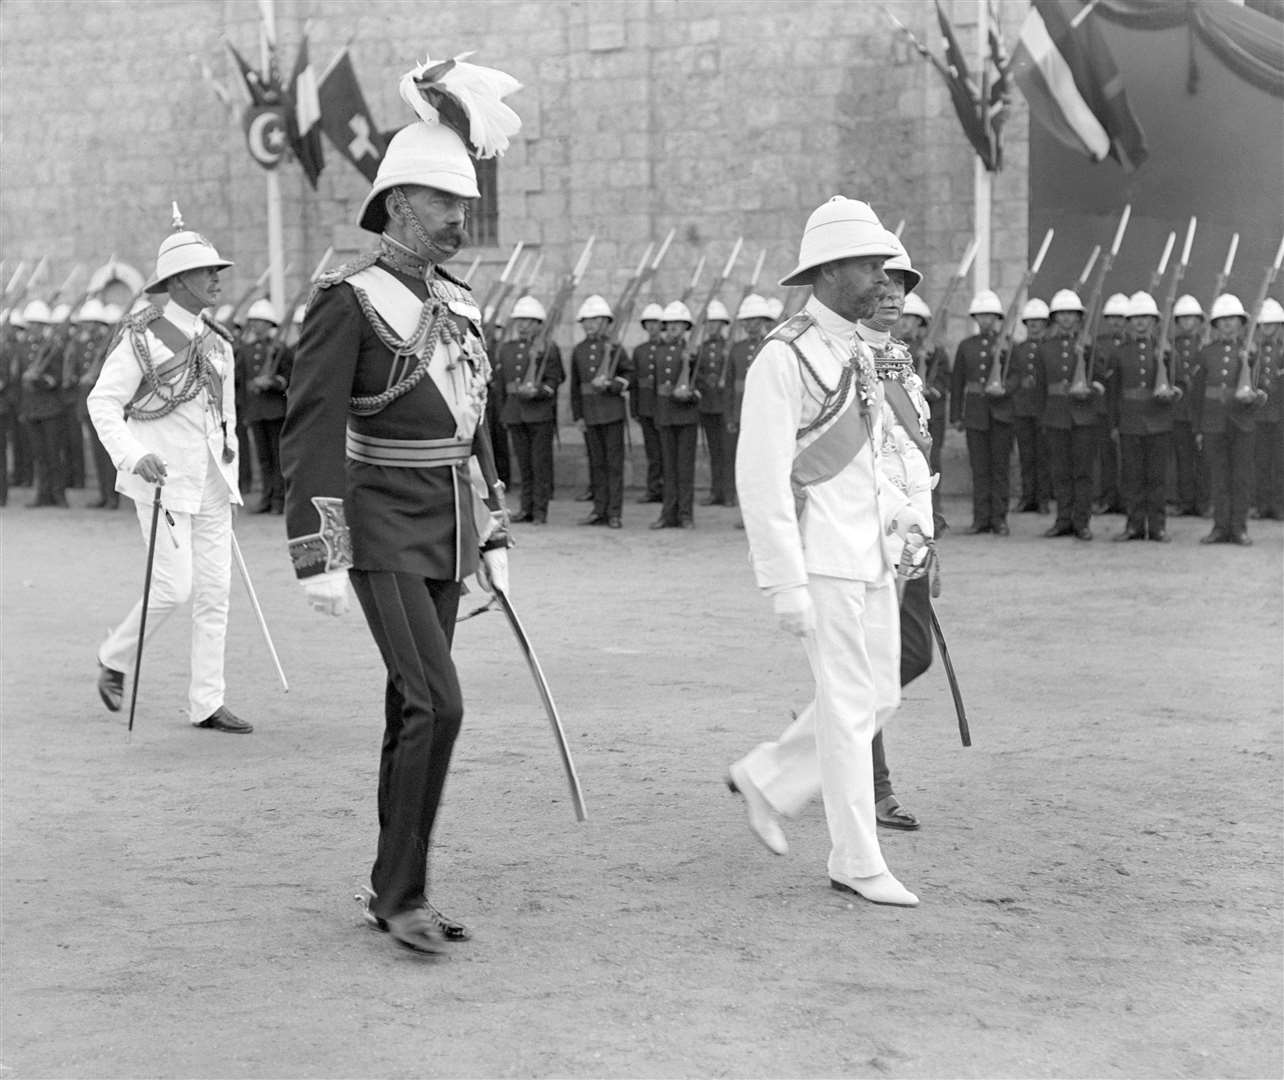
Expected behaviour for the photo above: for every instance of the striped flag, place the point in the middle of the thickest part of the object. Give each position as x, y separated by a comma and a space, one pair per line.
1068, 76
305, 116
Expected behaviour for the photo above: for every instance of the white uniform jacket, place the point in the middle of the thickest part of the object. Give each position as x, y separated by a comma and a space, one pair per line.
839, 532
189, 440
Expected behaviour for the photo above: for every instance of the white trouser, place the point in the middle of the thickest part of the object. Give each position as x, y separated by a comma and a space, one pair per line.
855, 657
200, 567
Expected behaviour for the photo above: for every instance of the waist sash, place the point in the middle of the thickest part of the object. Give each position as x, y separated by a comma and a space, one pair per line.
406, 453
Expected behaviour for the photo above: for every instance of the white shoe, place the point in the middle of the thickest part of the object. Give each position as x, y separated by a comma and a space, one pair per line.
879, 889
762, 818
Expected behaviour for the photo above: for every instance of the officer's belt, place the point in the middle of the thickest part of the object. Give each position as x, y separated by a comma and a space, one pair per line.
1138, 393
1058, 388
1214, 393
973, 391
407, 453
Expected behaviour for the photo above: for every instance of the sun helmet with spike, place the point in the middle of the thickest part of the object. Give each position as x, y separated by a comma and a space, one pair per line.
180, 251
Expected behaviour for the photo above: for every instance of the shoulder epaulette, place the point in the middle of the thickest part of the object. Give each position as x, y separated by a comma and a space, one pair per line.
342, 273
791, 329
138, 320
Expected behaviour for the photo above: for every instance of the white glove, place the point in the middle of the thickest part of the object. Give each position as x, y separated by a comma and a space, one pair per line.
795, 612
328, 593
907, 522
493, 570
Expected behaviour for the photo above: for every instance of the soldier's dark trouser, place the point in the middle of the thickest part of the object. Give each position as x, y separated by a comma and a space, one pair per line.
73, 447
244, 470
6, 423
916, 658
1268, 469
678, 449
1144, 462
533, 448
605, 444
654, 457
715, 437
733, 448
412, 620
46, 449
1032, 452
1073, 453
267, 443
499, 443
1108, 491
104, 469
936, 425
1230, 474
23, 459
990, 454
1192, 491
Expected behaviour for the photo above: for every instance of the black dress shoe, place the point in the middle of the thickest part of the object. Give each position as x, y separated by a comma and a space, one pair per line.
1161, 537
1045, 508
650, 499
1001, 529
111, 687
975, 529
539, 519
1217, 536
101, 504
593, 519
1027, 507
1241, 538
663, 523
262, 508
585, 496
1059, 530
448, 927
524, 519
1129, 534
614, 523
710, 501
223, 719
1083, 534
686, 523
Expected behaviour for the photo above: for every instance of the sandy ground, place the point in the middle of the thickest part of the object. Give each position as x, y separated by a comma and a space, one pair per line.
1100, 873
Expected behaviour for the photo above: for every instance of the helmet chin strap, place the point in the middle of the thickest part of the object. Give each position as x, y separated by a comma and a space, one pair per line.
434, 252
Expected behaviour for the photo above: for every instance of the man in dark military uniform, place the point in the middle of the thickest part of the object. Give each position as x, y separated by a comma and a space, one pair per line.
43, 408
714, 386
1224, 423
1113, 335
600, 372
263, 367
1144, 420
11, 333
99, 336
1191, 473
1032, 447
1067, 396
933, 372
986, 418
643, 402
754, 317
494, 329
677, 415
528, 407
384, 415
1269, 471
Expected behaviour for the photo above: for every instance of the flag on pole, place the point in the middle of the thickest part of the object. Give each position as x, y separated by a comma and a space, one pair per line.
305, 116
1068, 76
265, 119
996, 90
346, 119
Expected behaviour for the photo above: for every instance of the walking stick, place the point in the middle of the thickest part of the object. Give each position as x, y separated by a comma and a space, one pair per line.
258, 611
147, 592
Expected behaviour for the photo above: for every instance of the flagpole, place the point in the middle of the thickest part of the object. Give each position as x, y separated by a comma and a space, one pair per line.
982, 195
276, 233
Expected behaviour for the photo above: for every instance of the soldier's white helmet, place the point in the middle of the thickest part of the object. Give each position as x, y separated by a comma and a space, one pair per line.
776, 306
841, 228
527, 307
1117, 304
265, 311
1065, 300
1187, 305
420, 155
595, 307
112, 314
677, 312
223, 314
36, 311
915, 305
753, 306
1141, 303
92, 310
61, 313
653, 312
986, 302
901, 262
180, 252
16, 319
1226, 306
1035, 309
1272, 312
717, 312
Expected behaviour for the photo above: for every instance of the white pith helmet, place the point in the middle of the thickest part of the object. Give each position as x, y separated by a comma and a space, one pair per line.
677, 312
1225, 306
1035, 309
112, 314
1065, 300
753, 306
420, 155
915, 305
776, 306
986, 302
223, 314
841, 228
717, 312
36, 311
1272, 312
1117, 304
595, 307
180, 252
1187, 305
1141, 303
265, 311
60, 314
527, 307
653, 312
91, 310
901, 262
16, 319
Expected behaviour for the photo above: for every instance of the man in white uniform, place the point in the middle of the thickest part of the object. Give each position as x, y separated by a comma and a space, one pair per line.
164, 407
825, 530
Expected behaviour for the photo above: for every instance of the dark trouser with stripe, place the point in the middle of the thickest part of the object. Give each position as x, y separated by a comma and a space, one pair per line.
654, 457
498, 441
678, 445
1192, 487
533, 448
990, 453
1229, 455
412, 620
244, 470
715, 435
267, 441
605, 444
1108, 491
936, 429
1032, 449
47, 438
1073, 453
1269, 469
73, 447
104, 470
916, 658
1145, 468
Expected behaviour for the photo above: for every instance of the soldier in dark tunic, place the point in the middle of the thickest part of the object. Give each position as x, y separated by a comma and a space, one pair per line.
43, 410
754, 317
713, 384
1032, 446
263, 365
1188, 459
677, 415
642, 400
600, 372
1268, 498
933, 372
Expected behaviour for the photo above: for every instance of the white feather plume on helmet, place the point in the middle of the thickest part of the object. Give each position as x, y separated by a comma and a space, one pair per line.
465, 97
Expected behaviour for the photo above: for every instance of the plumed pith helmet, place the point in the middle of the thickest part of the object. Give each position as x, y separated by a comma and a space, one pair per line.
37, 311
915, 305
653, 312
1034, 309
91, 310
1272, 312
265, 311
677, 312
1141, 303
1187, 305
180, 251
421, 155
1116, 304
1065, 300
986, 302
1225, 306
841, 228
902, 263
527, 307
595, 307
717, 312
753, 306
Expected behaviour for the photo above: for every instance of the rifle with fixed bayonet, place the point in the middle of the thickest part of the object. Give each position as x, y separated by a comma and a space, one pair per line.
996, 384
1082, 385
936, 332
1166, 388
1220, 285
1248, 391
540, 346
683, 388
497, 292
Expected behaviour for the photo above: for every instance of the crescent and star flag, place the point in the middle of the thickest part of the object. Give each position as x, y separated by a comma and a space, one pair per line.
345, 118
1068, 75
265, 119
305, 117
